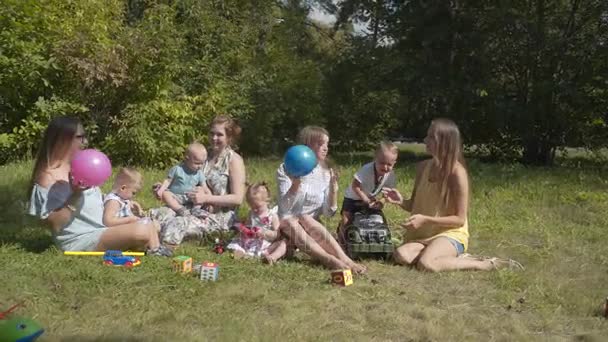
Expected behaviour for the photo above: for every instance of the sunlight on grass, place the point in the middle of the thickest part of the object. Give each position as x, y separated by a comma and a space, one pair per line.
552, 220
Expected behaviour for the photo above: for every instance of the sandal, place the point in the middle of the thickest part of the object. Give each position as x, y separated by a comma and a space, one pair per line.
498, 263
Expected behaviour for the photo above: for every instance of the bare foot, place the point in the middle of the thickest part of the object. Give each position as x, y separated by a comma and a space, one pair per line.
358, 268
267, 258
240, 255
335, 264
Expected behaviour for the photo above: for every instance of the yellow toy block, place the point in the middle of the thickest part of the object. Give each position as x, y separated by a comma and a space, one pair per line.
342, 277
182, 264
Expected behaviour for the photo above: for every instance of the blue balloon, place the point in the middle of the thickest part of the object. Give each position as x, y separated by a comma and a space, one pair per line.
299, 161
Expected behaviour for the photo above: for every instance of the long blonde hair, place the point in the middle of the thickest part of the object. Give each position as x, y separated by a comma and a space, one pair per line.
448, 152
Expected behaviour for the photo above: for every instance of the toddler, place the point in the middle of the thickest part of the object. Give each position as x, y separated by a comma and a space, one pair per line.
368, 183
260, 236
119, 208
182, 179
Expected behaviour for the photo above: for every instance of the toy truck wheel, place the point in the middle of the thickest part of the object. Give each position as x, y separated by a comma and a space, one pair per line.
129, 264
108, 262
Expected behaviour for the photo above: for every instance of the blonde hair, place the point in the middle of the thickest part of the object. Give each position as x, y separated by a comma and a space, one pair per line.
128, 176
449, 152
387, 146
254, 189
311, 134
195, 146
232, 128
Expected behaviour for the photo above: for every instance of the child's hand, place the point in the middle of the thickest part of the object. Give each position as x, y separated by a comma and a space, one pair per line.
137, 209
76, 188
260, 234
156, 189
376, 205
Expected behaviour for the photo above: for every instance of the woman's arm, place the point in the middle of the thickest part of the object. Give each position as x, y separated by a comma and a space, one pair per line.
59, 217
236, 175
330, 207
110, 209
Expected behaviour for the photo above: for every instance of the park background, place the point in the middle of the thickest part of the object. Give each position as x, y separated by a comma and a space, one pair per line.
526, 81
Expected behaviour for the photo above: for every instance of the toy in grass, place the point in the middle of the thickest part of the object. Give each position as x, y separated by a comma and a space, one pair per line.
18, 329
299, 161
182, 264
117, 258
210, 271
368, 235
342, 277
218, 247
86, 253
90, 167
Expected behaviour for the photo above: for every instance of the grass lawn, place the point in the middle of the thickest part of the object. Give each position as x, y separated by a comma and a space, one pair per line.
553, 220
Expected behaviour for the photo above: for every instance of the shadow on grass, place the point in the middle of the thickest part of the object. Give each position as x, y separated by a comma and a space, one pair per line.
16, 227
80, 338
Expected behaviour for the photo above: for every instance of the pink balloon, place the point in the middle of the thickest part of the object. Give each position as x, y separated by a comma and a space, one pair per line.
90, 168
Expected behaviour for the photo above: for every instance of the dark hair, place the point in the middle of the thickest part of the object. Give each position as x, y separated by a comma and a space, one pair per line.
233, 130
55, 143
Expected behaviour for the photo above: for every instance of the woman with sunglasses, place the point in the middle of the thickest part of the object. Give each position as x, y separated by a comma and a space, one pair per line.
75, 214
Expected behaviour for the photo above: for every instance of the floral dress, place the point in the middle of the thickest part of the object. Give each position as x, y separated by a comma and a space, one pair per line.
254, 246
174, 229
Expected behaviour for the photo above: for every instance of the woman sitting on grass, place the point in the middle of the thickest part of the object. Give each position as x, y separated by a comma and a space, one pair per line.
437, 233
75, 214
224, 172
303, 200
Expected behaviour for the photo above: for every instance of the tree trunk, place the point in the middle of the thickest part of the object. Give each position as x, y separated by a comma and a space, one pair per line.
538, 152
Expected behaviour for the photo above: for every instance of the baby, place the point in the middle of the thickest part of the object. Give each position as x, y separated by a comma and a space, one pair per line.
183, 178
260, 236
119, 208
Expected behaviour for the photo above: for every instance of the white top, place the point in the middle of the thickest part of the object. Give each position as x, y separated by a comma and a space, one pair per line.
366, 175
125, 205
264, 222
312, 197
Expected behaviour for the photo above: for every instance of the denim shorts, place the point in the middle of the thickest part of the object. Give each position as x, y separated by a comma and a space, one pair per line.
459, 246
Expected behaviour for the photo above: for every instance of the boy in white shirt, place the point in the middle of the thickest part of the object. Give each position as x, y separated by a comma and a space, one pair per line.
368, 183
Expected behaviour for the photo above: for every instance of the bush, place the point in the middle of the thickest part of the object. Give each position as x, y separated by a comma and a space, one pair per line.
156, 133
23, 141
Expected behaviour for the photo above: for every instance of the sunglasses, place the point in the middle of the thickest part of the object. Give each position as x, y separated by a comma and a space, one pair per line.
82, 137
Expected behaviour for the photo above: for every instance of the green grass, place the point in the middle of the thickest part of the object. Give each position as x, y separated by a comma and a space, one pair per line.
553, 220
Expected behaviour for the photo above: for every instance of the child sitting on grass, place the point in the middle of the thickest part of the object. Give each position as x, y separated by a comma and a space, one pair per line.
263, 237
182, 179
368, 183
119, 208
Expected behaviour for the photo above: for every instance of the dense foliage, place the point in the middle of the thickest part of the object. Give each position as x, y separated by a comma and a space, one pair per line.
521, 78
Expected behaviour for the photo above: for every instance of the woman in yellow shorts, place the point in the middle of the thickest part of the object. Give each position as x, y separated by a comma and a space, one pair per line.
437, 233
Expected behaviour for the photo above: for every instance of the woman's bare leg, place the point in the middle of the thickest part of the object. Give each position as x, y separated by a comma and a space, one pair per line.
408, 253
440, 255
320, 234
129, 236
275, 251
292, 228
